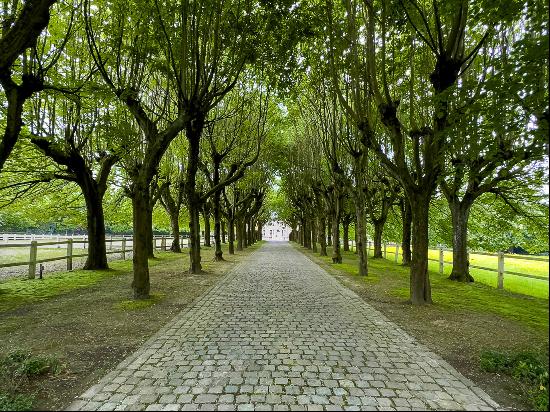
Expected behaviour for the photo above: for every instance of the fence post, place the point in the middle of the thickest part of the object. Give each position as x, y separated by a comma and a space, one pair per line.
385, 253
123, 248
57, 240
5, 238
500, 282
70, 254
32, 259
111, 242
163, 243
440, 260
396, 252
83, 242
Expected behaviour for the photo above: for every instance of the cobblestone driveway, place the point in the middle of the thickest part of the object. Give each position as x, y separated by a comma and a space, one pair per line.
279, 333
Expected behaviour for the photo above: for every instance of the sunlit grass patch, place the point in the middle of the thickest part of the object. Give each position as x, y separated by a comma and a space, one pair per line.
141, 303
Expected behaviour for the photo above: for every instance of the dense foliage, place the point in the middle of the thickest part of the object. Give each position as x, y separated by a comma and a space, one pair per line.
411, 121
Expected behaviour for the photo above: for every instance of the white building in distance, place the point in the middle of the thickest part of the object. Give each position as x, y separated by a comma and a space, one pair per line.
275, 230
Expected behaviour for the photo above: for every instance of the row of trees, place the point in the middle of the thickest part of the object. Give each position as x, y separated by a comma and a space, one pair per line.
388, 104
168, 102
412, 100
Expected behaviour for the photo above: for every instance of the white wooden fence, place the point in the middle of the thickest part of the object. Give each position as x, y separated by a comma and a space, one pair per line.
394, 248
125, 245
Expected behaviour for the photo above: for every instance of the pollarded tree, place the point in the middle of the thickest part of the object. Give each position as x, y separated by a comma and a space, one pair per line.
444, 36
500, 139
235, 134
73, 136
138, 74
381, 194
171, 187
209, 44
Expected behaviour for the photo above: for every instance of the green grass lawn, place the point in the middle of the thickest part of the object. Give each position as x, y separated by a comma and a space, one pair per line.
517, 284
530, 311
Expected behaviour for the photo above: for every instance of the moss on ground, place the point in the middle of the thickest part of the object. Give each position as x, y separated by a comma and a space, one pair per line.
140, 304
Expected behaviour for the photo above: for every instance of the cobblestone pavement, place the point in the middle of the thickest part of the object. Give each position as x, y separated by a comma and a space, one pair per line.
279, 333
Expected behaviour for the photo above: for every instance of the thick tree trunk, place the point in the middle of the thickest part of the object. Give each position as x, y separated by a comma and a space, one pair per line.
329, 234
378, 228
345, 224
223, 231
175, 224
193, 133
406, 217
140, 206
336, 254
361, 239
460, 212
322, 236
231, 236
150, 236
194, 238
95, 220
355, 251
420, 288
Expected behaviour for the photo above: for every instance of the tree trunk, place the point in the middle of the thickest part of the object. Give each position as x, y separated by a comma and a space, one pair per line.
336, 254
231, 236
218, 254
361, 239
175, 224
420, 288
206, 217
329, 234
378, 228
95, 220
460, 212
149, 226
223, 231
193, 133
406, 217
250, 235
240, 234
314, 234
322, 236
355, 251
345, 224
260, 231
194, 238
140, 206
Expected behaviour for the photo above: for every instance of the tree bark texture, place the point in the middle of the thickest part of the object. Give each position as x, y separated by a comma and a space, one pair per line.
378, 228
460, 212
95, 220
231, 236
140, 206
406, 217
336, 254
420, 288
345, 225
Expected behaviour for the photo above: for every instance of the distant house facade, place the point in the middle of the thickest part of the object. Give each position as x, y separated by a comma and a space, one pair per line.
275, 230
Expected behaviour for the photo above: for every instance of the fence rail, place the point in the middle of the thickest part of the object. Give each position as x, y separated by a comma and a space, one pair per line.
126, 246
394, 248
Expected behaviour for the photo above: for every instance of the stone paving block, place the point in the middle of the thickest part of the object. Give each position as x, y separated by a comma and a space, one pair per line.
279, 333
